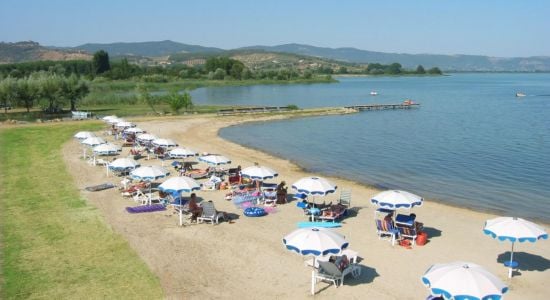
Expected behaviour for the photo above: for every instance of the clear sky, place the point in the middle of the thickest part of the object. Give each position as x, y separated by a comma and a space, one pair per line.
486, 27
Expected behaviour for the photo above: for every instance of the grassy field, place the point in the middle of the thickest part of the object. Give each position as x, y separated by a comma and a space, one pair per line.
54, 245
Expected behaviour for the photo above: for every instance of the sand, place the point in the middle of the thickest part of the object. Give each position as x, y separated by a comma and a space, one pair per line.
246, 259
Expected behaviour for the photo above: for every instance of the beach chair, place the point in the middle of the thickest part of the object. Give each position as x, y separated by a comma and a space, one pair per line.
408, 233
328, 271
345, 198
386, 229
333, 213
269, 197
209, 213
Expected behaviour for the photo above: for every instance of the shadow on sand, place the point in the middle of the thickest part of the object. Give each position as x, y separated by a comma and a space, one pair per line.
527, 261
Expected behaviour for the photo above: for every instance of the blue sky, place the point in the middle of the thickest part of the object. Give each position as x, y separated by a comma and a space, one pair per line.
496, 28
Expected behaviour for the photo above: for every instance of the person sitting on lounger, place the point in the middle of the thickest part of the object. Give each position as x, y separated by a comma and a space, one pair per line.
194, 208
281, 192
389, 217
341, 262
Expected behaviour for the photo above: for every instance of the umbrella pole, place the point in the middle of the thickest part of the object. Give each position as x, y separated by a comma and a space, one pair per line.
181, 214
313, 278
511, 261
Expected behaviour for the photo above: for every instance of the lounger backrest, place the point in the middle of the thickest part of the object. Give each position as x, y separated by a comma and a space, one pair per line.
208, 209
345, 197
408, 231
329, 268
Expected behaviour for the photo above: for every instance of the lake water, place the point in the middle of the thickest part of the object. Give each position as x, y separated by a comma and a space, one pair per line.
472, 143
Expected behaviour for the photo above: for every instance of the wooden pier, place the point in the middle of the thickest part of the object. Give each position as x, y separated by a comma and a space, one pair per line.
252, 110
383, 106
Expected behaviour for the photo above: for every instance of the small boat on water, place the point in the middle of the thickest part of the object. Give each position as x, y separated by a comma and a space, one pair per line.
408, 102
373, 93
520, 95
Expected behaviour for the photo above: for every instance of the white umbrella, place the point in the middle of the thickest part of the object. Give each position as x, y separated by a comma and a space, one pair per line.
82, 135
106, 149
259, 172
514, 230
123, 163
149, 173
125, 124
134, 130
394, 199
182, 153
463, 280
215, 159
93, 141
182, 184
108, 118
114, 120
315, 242
164, 143
145, 137
315, 186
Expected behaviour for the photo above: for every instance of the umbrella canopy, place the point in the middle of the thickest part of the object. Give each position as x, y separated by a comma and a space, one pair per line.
315, 242
108, 118
106, 149
149, 173
259, 172
164, 143
82, 135
314, 186
145, 137
182, 153
215, 159
93, 141
514, 230
182, 184
114, 120
394, 199
125, 124
463, 281
124, 163
134, 130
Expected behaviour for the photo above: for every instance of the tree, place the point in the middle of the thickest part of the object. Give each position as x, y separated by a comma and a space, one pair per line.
343, 70
145, 97
100, 62
51, 87
420, 70
187, 101
219, 74
8, 92
27, 92
394, 68
74, 89
175, 101
435, 70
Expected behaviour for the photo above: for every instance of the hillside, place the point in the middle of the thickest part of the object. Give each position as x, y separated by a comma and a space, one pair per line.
160, 48
444, 62
32, 51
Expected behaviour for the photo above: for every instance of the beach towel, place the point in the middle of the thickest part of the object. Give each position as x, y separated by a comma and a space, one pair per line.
100, 187
145, 208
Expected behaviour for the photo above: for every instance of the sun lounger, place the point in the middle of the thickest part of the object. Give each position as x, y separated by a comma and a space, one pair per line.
329, 271
100, 187
386, 229
210, 214
408, 233
145, 208
333, 213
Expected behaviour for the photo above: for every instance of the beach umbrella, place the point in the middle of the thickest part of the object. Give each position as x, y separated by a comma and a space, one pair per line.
463, 281
82, 135
395, 199
259, 173
215, 159
108, 118
125, 124
106, 149
145, 137
513, 230
316, 186
114, 120
134, 130
149, 173
93, 141
178, 185
182, 153
123, 163
165, 143
315, 242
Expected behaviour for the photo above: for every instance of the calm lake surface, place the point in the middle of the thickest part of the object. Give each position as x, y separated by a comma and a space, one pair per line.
472, 143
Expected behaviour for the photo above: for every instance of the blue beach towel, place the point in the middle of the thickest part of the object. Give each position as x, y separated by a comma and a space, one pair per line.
145, 208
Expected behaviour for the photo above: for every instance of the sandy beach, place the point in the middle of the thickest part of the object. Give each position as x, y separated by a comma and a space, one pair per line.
246, 258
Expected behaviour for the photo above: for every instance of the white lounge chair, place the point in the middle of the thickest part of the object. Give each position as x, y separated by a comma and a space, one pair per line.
209, 213
328, 271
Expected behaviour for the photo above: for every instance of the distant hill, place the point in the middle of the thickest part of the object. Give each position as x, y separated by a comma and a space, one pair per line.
444, 62
32, 51
160, 48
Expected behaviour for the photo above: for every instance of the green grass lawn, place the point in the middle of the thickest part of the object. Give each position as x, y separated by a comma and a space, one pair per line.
53, 244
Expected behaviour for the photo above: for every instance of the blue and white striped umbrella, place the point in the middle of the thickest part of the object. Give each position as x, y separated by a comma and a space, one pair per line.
514, 230
93, 141
107, 149
182, 184
315, 242
215, 159
314, 186
82, 135
123, 163
463, 281
149, 173
395, 199
182, 153
259, 173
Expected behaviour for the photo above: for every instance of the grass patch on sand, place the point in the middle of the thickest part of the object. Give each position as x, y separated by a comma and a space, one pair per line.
52, 244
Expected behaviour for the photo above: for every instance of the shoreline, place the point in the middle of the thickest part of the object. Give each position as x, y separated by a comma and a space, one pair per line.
205, 261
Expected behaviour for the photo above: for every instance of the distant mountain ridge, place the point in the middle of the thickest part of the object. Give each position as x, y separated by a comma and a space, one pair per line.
29, 51
160, 48
444, 62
